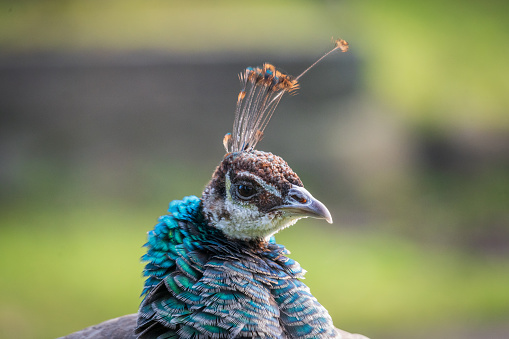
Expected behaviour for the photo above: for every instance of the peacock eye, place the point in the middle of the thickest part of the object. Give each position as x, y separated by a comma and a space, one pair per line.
245, 191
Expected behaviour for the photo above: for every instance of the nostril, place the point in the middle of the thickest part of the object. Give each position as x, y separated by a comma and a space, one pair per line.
299, 197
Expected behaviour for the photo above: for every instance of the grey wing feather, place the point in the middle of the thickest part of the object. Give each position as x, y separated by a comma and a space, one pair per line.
347, 335
118, 328
123, 328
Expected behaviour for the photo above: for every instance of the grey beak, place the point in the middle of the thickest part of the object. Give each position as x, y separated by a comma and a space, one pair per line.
300, 202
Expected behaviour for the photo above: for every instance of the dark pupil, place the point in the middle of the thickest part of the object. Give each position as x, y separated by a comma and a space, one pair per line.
245, 190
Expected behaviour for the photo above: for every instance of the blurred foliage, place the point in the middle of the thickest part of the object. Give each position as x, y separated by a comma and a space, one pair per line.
433, 61
439, 61
191, 26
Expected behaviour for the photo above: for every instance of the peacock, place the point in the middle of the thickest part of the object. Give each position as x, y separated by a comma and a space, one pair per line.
213, 268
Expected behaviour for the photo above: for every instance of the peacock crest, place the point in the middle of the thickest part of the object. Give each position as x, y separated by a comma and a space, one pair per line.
261, 91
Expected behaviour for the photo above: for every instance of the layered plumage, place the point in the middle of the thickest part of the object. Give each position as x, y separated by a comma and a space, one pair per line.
203, 285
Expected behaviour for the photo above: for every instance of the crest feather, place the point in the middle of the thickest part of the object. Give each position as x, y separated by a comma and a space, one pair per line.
261, 91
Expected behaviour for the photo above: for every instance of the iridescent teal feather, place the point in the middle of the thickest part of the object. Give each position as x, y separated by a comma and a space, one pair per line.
201, 284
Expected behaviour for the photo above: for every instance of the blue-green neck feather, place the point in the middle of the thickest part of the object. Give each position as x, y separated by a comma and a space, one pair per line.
201, 284
185, 230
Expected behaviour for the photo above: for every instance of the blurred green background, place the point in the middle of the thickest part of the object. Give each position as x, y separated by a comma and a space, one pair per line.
111, 109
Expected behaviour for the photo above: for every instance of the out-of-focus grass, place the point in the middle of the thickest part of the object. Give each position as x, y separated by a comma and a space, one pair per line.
82, 269
439, 62
381, 284
85, 269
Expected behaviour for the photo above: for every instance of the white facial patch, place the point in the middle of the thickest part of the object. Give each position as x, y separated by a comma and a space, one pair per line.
246, 221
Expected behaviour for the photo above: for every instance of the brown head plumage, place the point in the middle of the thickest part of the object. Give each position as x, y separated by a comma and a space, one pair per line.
254, 194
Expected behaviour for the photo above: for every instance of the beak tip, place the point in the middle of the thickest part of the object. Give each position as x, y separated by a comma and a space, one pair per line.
328, 217
311, 207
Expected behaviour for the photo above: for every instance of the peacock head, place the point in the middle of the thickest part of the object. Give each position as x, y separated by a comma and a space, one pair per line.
253, 195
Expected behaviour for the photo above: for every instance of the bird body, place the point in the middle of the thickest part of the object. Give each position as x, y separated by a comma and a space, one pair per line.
204, 285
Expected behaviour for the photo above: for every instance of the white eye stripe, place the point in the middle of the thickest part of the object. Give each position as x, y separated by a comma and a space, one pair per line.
266, 186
